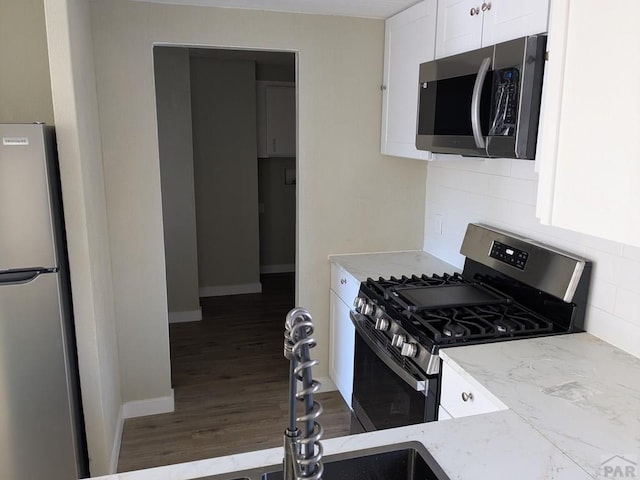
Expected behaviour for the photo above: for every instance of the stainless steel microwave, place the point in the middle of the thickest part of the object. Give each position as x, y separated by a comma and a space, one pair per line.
483, 103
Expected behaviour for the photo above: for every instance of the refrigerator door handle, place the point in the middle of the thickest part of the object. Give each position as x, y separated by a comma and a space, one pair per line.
23, 275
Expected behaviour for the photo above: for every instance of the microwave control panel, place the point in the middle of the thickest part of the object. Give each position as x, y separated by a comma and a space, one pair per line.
504, 115
510, 255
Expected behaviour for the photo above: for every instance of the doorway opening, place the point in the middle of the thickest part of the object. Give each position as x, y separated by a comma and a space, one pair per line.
227, 145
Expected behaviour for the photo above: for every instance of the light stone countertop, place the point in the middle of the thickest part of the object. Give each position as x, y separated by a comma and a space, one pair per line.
497, 446
579, 392
417, 262
574, 401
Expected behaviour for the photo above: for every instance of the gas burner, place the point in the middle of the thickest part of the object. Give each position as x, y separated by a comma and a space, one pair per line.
506, 325
453, 330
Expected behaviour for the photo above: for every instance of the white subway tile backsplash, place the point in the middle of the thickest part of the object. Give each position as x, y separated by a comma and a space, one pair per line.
602, 265
626, 305
494, 166
615, 330
627, 273
462, 180
602, 295
523, 169
631, 252
503, 193
513, 189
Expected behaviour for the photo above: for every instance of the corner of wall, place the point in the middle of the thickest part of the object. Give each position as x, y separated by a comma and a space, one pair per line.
117, 442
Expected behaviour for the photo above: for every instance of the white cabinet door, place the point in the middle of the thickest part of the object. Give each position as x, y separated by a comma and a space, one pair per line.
459, 27
459, 398
281, 121
465, 25
590, 140
341, 348
509, 19
409, 41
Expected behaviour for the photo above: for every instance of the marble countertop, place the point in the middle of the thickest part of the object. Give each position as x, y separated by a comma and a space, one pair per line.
579, 392
574, 402
497, 445
365, 265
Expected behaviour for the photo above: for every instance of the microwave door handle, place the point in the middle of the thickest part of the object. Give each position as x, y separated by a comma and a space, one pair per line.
475, 102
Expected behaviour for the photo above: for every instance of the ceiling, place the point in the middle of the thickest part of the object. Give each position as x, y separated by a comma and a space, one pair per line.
348, 8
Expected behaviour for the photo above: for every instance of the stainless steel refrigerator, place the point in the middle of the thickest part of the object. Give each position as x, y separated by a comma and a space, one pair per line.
41, 424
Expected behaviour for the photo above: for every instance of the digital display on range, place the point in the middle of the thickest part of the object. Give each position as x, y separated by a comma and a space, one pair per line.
511, 256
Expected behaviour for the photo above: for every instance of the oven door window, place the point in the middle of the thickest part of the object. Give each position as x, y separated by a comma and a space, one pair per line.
384, 398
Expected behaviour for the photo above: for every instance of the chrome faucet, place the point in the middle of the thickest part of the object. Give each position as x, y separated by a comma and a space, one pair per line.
302, 447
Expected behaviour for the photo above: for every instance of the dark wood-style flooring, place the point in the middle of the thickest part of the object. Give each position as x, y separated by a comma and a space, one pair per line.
230, 382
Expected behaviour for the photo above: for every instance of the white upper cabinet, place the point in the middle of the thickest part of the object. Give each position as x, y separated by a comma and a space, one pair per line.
509, 19
465, 25
590, 125
459, 27
276, 115
281, 121
409, 41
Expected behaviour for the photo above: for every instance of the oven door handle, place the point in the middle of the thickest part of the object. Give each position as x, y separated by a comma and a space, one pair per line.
416, 384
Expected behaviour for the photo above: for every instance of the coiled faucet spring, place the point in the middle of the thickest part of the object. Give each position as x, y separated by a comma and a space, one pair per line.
302, 449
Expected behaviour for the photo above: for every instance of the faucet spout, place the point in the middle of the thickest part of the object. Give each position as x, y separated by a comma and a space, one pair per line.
302, 447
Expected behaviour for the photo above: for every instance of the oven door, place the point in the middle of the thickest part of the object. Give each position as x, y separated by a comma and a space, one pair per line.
386, 393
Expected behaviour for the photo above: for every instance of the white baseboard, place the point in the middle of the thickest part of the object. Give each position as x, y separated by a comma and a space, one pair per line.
284, 268
151, 406
327, 385
185, 316
117, 441
231, 289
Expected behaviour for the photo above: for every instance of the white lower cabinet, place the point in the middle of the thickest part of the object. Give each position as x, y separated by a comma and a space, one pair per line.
460, 398
344, 288
443, 414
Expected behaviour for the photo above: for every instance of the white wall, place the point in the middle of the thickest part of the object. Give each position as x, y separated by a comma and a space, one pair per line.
173, 101
503, 193
223, 104
25, 87
278, 216
344, 184
75, 109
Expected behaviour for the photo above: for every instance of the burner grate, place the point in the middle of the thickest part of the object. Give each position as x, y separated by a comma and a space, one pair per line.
499, 318
466, 324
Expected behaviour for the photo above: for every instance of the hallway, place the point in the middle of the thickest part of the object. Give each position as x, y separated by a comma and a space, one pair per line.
230, 380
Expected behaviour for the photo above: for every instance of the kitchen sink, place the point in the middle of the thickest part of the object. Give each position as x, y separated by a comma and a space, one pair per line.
406, 461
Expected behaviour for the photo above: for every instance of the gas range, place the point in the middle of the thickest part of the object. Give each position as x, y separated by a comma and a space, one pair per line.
510, 288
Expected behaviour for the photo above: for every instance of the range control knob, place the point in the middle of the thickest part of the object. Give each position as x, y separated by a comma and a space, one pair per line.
367, 309
398, 340
358, 303
382, 324
409, 350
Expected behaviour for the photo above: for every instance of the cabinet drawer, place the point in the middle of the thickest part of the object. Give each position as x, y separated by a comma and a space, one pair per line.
344, 284
460, 398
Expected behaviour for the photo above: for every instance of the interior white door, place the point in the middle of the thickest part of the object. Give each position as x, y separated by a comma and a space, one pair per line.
509, 19
459, 27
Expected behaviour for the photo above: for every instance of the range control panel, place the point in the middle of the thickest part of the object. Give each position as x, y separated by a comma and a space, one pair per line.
511, 256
